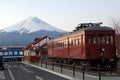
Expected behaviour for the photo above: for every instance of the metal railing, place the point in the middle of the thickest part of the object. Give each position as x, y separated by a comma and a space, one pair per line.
84, 70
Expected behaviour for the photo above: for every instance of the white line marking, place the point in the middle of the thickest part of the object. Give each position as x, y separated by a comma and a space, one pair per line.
27, 70
39, 78
11, 74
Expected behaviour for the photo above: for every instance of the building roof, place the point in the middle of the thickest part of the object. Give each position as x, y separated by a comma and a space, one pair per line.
30, 46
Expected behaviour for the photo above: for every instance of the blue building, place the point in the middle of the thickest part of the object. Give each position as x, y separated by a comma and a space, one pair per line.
12, 54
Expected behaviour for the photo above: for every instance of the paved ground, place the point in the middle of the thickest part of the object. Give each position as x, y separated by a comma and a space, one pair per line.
21, 71
26, 71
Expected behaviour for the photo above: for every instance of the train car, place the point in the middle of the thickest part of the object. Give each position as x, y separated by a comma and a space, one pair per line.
89, 44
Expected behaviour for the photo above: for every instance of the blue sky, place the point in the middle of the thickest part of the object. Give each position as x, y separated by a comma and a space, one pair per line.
63, 14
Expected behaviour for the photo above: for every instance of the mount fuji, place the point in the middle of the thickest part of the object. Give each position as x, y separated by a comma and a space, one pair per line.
23, 33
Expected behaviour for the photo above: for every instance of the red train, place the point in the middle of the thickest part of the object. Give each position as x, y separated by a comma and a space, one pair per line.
90, 43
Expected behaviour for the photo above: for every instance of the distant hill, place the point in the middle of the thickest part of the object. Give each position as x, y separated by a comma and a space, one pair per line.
25, 32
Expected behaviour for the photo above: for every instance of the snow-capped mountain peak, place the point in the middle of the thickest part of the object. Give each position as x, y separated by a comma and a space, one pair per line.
30, 25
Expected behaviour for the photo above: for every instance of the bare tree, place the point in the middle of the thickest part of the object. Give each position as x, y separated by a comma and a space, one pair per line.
116, 26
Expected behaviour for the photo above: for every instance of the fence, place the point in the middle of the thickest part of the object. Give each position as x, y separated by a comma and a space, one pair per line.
83, 70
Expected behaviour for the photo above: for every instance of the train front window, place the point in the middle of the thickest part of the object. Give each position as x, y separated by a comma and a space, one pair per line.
91, 39
109, 39
101, 39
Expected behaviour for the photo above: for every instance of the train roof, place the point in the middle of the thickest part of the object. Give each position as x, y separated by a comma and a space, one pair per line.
99, 28
91, 26
88, 28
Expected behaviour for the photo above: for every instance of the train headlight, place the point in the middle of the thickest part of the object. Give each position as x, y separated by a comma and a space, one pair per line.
102, 49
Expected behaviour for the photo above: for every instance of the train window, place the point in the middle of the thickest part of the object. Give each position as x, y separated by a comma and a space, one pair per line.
10, 53
82, 39
101, 39
51, 45
79, 37
1, 53
5, 53
60, 43
54, 44
73, 41
65, 42
109, 39
15, 53
70, 41
48, 45
20, 53
77, 40
57, 44
91, 39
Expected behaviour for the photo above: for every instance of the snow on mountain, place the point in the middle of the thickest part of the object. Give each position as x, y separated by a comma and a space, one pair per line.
30, 25
26, 31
